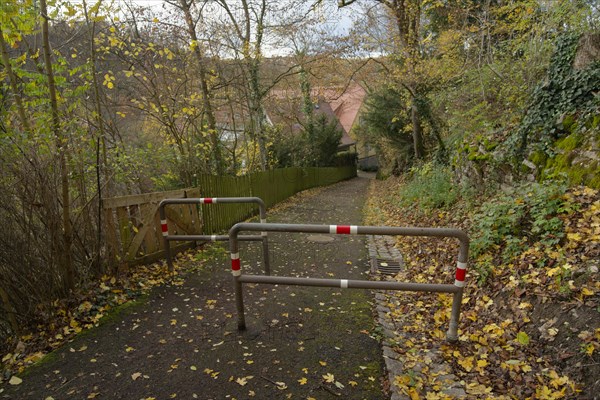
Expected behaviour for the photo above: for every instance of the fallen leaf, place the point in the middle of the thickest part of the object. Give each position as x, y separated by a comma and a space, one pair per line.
15, 380
135, 375
523, 338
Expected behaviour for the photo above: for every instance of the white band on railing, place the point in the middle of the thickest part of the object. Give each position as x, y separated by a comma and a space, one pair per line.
236, 273
235, 256
344, 283
263, 221
213, 238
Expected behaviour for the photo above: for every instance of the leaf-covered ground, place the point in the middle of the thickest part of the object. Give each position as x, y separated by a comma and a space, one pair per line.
530, 324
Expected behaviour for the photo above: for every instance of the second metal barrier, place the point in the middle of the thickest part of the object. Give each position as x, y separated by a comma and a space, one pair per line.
214, 238
456, 289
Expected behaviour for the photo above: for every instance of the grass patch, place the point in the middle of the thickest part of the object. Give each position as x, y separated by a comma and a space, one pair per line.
430, 187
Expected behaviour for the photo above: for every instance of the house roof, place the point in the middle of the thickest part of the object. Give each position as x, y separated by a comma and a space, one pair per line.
339, 104
347, 106
284, 108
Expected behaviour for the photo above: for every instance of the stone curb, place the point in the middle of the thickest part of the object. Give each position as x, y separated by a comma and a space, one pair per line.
382, 247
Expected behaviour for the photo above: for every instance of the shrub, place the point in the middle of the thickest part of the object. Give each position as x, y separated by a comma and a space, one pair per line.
516, 220
431, 187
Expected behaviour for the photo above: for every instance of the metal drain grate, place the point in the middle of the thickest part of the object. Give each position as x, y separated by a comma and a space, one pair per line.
385, 266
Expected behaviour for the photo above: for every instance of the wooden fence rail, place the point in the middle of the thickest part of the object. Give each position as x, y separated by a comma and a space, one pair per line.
132, 224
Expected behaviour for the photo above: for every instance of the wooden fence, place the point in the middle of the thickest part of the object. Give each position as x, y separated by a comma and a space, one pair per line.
132, 224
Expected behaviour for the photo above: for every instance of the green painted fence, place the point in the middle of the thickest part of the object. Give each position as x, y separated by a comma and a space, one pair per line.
271, 186
132, 225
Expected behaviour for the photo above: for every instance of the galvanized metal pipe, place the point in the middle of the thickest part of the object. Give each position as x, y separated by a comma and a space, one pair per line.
349, 284
456, 289
262, 210
212, 238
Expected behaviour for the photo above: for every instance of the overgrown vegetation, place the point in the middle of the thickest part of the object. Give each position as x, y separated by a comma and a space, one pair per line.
531, 311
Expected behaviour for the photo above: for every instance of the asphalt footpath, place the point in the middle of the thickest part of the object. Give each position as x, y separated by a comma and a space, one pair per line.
181, 340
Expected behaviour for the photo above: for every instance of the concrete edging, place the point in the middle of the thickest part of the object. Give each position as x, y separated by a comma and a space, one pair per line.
382, 247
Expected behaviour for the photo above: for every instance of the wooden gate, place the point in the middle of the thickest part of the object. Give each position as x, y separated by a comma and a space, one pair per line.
132, 225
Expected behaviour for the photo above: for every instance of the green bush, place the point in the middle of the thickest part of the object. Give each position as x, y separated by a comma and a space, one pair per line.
514, 221
430, 187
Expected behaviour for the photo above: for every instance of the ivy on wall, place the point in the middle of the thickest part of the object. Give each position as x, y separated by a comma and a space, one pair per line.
565, 102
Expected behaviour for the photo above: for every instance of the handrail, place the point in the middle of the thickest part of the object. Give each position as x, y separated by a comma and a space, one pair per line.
213, 200
456, 289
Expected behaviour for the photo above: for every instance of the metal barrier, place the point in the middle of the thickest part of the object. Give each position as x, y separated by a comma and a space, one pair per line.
214, 238
456, 289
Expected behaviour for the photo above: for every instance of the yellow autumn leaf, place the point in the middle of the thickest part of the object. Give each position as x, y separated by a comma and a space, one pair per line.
553, 271
302, 381
589, 349
466, 363
576, 237
329, 377
587, 292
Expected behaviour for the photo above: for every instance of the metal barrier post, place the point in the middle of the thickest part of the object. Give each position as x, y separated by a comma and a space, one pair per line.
214, 238
456, 289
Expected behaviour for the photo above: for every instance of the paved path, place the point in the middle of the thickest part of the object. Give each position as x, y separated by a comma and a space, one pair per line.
182, 342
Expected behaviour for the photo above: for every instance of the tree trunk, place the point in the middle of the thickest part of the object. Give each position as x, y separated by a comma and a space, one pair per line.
417, 130
61, 145
206, 102
257, 114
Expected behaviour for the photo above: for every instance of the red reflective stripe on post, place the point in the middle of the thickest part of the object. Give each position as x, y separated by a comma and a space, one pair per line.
460, 274
235, 264
207, 200
164, 227
343, 229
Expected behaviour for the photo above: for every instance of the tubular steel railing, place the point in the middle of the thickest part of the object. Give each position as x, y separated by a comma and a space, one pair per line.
456, 289
214, 238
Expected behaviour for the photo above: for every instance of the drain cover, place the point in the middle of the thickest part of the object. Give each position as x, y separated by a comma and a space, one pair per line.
385, 266
320, 238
